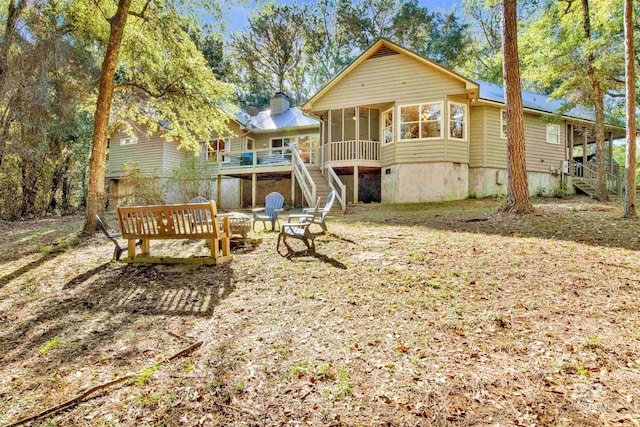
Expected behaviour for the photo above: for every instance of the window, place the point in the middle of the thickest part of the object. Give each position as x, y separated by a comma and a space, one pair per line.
128, 141
457, 121
336, 125
503, 124
387, 126
219, 146
250, 144
553, 134
422, 121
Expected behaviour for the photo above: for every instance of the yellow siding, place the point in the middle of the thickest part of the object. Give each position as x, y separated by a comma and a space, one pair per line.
387, 154
475, 137
173, 155
147, 153
397, 78
404, 81
540, 155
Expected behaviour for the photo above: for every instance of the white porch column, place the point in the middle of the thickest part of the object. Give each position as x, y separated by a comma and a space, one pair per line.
355, 184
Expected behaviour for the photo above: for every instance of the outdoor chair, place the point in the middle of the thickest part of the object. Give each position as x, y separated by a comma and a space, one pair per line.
319, 219
298, 230
194, 201
120, 248
273, 206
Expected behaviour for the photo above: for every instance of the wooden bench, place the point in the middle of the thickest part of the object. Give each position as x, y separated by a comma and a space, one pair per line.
160, 222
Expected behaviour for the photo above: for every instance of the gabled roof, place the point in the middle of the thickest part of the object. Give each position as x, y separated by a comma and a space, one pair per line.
470, 84
535, 101
265, 121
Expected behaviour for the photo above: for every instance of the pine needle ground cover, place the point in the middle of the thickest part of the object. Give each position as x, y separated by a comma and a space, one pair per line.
432, 314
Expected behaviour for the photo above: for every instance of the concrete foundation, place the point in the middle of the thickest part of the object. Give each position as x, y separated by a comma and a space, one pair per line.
486, 182
425, 182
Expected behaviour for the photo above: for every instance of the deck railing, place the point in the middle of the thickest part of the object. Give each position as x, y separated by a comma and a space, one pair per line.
353, 150
589, 173
260, 158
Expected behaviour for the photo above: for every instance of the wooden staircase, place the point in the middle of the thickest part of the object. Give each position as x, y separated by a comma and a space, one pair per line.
322, 186
584, 180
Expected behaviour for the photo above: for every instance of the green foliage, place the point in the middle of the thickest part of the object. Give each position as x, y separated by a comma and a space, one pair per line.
554, 51
192, 177
140, 189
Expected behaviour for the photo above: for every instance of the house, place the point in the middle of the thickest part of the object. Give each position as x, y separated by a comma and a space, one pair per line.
395, 127
427, 133
252, 160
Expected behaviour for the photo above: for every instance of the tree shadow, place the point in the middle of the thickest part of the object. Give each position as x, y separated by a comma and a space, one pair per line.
112, 296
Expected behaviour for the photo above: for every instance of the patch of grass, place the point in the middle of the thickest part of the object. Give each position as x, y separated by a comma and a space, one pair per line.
592, 343
146, 373
49, 345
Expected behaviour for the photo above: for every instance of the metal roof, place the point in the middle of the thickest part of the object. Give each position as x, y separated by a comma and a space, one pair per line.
535, 101
290, 118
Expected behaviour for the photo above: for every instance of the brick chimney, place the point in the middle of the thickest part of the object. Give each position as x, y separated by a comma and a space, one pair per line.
279, 103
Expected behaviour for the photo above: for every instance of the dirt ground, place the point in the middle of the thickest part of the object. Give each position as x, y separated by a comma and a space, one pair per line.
408, 315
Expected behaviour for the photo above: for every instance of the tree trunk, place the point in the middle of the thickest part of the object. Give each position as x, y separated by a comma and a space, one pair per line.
630, 74
598, 102
56, 183
97, 162
518, 189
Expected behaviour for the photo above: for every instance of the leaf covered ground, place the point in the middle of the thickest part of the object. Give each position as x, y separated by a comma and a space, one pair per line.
430, 314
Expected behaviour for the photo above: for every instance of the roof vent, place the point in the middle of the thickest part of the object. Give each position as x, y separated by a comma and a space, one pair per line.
383, 51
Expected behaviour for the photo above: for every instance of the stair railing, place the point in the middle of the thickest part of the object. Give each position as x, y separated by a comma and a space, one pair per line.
304, 178
589, 173
337, 186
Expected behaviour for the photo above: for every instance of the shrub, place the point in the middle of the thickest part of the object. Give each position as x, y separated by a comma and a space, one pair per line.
192, 177
141, 190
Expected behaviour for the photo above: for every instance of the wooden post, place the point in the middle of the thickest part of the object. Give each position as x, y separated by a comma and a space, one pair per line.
571, 168
219, 194
585, 145
355, 184
293, 188
131, 248
145, 247
254, 189
241, 192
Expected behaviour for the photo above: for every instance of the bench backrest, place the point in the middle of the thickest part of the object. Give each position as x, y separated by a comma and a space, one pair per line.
191, 221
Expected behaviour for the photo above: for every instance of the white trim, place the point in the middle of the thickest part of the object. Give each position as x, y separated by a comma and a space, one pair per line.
128, 141
383, 127
465, 121
503, 123
419, 105
557, 134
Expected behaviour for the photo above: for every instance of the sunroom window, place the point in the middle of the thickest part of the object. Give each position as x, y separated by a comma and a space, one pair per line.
423, 121
387, 129
457, 121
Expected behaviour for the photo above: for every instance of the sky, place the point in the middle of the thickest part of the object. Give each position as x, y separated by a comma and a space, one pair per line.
238, 14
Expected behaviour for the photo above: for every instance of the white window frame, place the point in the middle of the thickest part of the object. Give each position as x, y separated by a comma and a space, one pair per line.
420, 105
128, 141
227, 148
465, 121
246, 144
289, 138
392, 126
503, 123
557, 133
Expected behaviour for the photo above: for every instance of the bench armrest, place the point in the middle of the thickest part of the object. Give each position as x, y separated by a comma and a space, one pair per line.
257, 210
